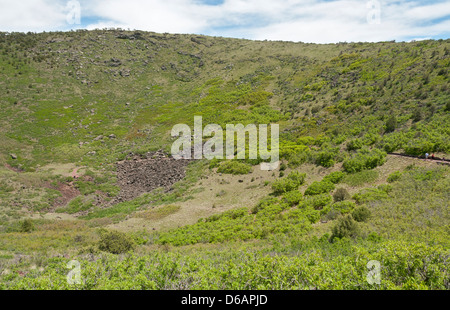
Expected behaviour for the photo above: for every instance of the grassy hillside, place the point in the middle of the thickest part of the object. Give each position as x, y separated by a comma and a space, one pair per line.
75, 105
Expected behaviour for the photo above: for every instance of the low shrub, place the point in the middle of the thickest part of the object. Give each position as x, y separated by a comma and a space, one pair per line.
293, 197
364, 159
361, 214
234, 167
345, 227
317, 202
334, 177
115, 242
290, 183
341, 194
321, 187
394, 176
343, 206
27, 226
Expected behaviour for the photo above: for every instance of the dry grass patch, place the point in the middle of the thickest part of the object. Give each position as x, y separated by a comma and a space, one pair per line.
158, 213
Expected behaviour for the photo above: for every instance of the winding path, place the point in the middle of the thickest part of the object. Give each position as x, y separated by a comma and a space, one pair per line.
437, 160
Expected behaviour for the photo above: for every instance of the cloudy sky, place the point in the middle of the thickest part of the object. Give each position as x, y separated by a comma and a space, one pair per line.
318, 21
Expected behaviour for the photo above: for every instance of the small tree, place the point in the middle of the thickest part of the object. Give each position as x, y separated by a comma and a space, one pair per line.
391, 123
115, 242
341, 194
345, 227
361, 214
27, 226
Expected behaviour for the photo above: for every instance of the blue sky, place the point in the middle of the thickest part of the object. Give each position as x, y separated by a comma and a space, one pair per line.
318, 21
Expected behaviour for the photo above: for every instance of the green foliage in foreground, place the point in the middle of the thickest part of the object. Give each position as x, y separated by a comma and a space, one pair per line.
323, 266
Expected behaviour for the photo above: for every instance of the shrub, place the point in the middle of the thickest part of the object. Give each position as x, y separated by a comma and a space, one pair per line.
267, 201
321, 187
297, 177
341, 194
354, 145
370, 194
345, 227
331, 215
419, 147
326, 157
394, 176
361, 214
115, 242
334, 177
317, 201
391, 123
293, 198
234, 167
27, 226
365, 160
282, 186
290, 183
343, 206
297, 159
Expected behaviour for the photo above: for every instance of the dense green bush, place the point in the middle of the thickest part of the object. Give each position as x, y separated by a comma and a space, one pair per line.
27, 226
234, 167
361, 214
394, 176
334, 177
346, 226
321, 187
293, 197
365, 159
326, 157
317, 202
354, 145
343, 206
371, 194
290, 183
391, 123
115, 242
341, 194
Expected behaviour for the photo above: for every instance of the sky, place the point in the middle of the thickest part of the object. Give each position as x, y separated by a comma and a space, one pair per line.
311, 21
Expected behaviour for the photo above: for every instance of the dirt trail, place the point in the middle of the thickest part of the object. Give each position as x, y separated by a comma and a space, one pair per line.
436, 160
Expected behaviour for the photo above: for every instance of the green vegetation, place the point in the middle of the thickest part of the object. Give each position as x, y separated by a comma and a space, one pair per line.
115, 242
73, 104
290, 183
234, 167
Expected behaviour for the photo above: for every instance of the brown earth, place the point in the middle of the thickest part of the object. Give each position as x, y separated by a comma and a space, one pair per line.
68, 192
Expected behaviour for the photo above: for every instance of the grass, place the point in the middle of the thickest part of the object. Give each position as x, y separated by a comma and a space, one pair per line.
361, 178
333, 103
158, 213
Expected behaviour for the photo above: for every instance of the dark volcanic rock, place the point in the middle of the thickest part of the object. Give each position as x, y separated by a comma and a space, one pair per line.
142, 175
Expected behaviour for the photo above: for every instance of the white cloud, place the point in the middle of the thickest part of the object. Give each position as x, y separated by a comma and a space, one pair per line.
294, 20
31, 15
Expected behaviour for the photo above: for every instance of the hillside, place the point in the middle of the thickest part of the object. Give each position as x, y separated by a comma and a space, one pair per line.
85, 125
